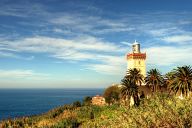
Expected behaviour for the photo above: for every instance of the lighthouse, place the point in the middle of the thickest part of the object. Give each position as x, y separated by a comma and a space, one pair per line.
136, 59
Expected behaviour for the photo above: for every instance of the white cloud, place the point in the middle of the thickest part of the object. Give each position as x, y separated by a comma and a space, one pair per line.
22, 74
178, 39
73, 55
15, 73
47, 44
114, 30
108, 58
102, 26
107, 69
8, 54
126, 43
78, 49
106, 64
108, 55
83, 22
163, 31
58, 30
24, 9
111, 65
167, 55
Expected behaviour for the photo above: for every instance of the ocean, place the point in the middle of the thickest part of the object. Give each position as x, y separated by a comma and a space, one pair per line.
26, 102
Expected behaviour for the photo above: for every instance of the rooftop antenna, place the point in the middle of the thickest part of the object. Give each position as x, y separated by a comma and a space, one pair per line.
135, 42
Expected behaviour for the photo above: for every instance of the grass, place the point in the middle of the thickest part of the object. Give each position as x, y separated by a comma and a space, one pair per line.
161, 110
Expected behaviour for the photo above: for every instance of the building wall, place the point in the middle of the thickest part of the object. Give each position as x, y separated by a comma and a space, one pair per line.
138, 64
136, 59
98, 100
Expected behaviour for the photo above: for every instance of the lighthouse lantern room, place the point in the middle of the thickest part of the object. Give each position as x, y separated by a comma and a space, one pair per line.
136, 59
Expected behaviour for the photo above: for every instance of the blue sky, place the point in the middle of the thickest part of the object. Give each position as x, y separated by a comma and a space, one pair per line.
78, 43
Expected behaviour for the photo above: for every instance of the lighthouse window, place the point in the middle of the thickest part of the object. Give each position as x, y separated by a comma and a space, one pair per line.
139, 62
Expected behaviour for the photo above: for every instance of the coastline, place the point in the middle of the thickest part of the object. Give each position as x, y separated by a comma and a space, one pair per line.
146, 115
28, 102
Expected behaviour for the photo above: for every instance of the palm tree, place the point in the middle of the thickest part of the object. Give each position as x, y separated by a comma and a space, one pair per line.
154, 79
135, 76
168, 79
182, 80
129, 90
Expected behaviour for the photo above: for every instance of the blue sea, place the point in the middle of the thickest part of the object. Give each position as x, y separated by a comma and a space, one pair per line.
26, 102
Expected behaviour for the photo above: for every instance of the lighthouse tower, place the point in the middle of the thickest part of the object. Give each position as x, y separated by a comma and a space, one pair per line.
136, 59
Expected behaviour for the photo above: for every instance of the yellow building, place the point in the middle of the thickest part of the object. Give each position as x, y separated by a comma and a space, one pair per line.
98, 100
136, 59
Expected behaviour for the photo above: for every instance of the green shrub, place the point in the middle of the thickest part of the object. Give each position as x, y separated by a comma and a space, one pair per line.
87, 101
91, 115
77, 104
160, 110
112, 94
68, 123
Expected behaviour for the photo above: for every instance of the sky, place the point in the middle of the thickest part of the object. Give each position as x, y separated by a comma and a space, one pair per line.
83, 43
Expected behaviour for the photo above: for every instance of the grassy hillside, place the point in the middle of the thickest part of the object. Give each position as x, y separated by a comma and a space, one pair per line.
160, 110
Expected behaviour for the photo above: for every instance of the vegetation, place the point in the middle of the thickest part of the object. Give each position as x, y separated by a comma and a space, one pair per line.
154, 80
135, 76
181, 80
77, 104
129, 91
130, 86
162, 109
87, 100
112, 94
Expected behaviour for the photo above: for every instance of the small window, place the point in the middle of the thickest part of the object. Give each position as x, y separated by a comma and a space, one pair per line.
139, 63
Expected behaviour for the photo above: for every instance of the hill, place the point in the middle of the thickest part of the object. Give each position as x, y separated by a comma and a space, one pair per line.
161, 110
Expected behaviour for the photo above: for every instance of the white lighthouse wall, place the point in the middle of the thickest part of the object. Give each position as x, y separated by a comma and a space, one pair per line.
138, 64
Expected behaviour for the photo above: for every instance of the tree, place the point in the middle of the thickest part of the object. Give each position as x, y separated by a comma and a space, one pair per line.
77, 104
111, 94
87, 100
130, 85
168, 79
154, 80
135, 76
129, 90
181, 81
